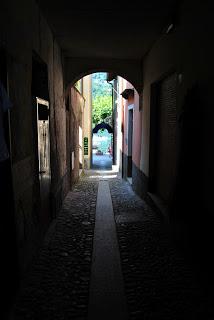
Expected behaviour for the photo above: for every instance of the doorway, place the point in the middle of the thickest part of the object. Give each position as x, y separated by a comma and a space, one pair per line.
130, 142
44, 159
163, 137
41, 138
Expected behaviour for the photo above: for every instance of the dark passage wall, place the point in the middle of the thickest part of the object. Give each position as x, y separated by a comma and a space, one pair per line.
188, 51
25, 32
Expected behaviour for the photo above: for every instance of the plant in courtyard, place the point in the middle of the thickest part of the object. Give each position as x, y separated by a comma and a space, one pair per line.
102, 109
101, 99
100, 86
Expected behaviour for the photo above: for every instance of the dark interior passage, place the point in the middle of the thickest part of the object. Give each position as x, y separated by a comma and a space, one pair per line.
162, 53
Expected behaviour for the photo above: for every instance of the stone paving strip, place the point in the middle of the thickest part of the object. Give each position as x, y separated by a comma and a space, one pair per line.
159, 285
107, 298
58, 285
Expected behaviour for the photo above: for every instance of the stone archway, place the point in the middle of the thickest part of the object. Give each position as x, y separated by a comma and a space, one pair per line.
103, 125
77, 68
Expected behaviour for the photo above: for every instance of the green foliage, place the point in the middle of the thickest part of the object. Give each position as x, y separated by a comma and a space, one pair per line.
101, 98
102, 108
100, 87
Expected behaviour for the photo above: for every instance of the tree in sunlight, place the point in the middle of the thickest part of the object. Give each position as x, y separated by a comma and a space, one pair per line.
101, 99
100, 87
102, 109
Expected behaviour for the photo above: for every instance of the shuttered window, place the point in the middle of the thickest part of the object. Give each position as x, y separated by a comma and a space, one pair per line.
166, 137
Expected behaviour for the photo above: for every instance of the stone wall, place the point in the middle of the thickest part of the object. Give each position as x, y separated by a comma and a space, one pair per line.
76, 123
24, 31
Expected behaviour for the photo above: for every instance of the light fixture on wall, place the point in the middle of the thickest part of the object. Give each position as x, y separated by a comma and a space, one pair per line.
127, 93
170, 28
180, 78
173, 19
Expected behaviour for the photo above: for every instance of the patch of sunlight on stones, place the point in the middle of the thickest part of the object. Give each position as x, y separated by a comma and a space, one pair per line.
128, 218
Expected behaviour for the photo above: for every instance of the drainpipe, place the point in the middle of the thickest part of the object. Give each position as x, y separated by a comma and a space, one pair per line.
112, 99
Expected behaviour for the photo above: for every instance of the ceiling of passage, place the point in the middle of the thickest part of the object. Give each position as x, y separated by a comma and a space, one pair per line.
107, 29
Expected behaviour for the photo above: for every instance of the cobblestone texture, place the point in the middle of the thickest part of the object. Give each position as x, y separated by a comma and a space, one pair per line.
58, 285
158, 282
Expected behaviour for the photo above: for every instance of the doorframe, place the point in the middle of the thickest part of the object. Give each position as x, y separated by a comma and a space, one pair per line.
47, 104
44, 103
130, 140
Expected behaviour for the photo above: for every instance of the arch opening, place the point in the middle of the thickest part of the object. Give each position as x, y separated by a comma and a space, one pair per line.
103, 126
111, 75
106, 134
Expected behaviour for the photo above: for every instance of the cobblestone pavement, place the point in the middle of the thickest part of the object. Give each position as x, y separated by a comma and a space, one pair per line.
58, 286
158, 282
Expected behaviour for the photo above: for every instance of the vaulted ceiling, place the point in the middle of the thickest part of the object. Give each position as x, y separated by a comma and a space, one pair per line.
107, 29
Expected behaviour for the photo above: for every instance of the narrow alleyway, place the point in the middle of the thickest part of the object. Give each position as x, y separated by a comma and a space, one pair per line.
78, 274
103, 162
